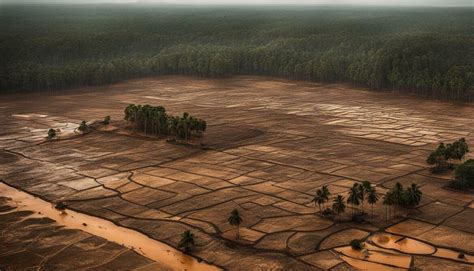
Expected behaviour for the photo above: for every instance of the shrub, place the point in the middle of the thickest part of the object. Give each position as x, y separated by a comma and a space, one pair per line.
461, 255
51, 133
60, 206
440, 157
464, 175
356, 244
106, 120
83, 127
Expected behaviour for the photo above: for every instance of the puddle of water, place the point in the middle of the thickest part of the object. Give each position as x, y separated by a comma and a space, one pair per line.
403, 244
140, 243
453, 255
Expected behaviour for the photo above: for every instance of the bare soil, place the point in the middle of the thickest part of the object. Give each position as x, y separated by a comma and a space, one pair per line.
271, 144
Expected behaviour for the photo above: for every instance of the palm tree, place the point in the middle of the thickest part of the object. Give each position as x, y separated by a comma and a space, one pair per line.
364, 188
413, 195
318, 199
388, 200
354, 196
187, 240
325, 195
398, 195
372, 198
235, 219
338, 206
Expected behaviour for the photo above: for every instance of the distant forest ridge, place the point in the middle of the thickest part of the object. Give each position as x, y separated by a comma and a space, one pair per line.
424, 51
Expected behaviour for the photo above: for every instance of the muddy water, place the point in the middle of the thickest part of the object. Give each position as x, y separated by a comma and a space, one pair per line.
140, 243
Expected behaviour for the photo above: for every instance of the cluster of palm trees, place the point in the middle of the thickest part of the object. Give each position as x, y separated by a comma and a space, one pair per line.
399, 198
154, 120
363, 192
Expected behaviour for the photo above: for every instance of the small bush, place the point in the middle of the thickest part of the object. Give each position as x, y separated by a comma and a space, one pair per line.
51, 133
464, 176
60, 206
461, 255
83, 127
356, 244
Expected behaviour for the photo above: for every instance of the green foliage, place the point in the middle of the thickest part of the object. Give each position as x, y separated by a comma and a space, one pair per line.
51, 133
339, 206
187, 240
464, 175
106, 120
154, 120
355, 196
461, 255
60, 206
423, 51
441, 156
321, 196
235, 219
83, 127
356, 244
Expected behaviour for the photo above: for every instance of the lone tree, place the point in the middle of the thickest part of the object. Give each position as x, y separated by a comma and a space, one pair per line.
51, 133
339, 206
235, 219
83, 127
106, 121
356, 244
372, 198
187, 240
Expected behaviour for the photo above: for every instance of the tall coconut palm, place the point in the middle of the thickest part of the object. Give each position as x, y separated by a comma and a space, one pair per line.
338, 206
187, 240
354, 197
364, 188
372, 198
413, 195
397, 196
387, 201
235, 219
318, 199
325, 193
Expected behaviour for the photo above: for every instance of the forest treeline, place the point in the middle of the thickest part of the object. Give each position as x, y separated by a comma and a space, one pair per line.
421, 51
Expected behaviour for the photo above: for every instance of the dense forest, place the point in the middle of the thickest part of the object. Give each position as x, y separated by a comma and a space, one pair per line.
425, 51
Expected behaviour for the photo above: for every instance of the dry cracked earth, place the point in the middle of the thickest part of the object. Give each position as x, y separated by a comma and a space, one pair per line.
270, 145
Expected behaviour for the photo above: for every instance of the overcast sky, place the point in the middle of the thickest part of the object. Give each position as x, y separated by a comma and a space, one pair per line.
276, 2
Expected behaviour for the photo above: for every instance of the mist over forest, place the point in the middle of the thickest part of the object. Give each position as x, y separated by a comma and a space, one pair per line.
425, 51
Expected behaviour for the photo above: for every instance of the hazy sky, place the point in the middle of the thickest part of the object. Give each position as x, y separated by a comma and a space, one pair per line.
276, 2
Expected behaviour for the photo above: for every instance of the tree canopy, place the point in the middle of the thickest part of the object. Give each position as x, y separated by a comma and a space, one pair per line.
423, 51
